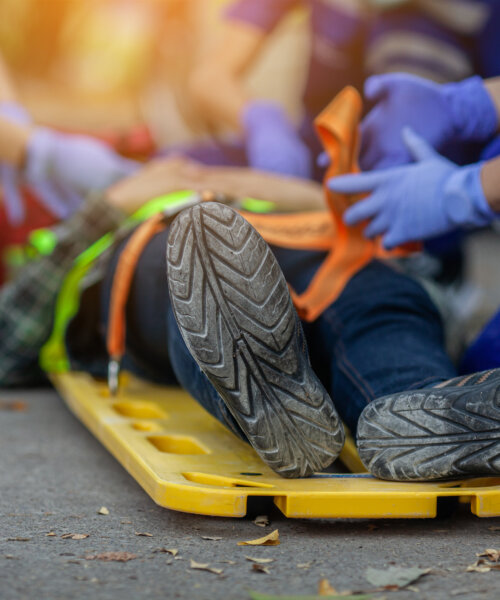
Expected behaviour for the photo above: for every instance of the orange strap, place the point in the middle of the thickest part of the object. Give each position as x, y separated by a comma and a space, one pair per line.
349, 250
122, 280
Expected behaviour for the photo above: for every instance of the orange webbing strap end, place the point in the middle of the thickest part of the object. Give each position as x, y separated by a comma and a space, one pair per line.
120, 289
338, 128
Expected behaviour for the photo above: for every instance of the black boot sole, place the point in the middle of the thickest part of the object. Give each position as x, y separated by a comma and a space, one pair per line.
434, 434
234, 311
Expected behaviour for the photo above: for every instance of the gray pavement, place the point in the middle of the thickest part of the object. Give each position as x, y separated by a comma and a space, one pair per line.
55, 476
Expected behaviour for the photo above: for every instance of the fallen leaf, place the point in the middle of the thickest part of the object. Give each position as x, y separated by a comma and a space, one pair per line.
112, 556
213, 538
173, 551
325, 588
272, 539
18, 539
103, 511
261, 521
143, 534
74, 536
477, 568
204, 567
372, 526
494, 528
483, 566
394, 577
228, 562
260, 568
305, 565
262, 561
14, 406
491, 554
50, 534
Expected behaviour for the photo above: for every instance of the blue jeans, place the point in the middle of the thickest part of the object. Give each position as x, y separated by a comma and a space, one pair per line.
382, 335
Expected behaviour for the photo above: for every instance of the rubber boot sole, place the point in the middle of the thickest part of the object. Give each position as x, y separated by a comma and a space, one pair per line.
234, 311
437, 433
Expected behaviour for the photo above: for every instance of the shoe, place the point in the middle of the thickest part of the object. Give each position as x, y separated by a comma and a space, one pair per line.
449, 431
234, 311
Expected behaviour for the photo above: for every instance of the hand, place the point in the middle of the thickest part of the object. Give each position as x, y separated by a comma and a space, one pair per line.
419, 201
75, 164
439, 113
9, 176
272, 144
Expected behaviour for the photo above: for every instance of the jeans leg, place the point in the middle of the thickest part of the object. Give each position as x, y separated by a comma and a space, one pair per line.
383, 335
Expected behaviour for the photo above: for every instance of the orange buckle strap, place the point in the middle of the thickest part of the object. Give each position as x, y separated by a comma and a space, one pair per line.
349, 250
122, 280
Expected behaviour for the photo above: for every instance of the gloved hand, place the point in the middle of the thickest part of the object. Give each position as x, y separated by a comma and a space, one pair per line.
444, 113
9, 177
72, 164
272, 143
418, 201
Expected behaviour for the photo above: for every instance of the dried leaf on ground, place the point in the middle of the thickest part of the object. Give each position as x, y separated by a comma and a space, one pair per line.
394, 577
50, 534
494, 528
305, 565
204, 567
112, 556
261, 561
326, 589
172, 551
272, 539
143, 534
483, 566
18, 539
491, 554
103, 511
261, 521
260, 568
74, 536
212, 538
14, 406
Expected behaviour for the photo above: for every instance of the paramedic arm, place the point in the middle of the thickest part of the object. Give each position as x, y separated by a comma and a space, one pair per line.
423, 200
272, 143
217, 82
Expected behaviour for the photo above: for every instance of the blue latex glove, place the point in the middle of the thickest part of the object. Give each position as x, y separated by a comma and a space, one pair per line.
441, 114
73, 165
272, 143
418, 201
9, 176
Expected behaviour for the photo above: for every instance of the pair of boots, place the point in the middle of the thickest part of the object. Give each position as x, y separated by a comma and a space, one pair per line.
235, 313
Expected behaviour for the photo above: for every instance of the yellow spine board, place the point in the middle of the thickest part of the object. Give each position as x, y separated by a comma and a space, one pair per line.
187, 461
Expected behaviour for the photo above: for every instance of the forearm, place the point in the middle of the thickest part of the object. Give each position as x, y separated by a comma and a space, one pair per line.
27, 305
490, 179
13, 142
7, 91
217, 82
493, 87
